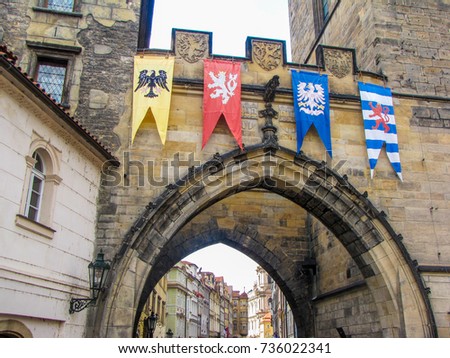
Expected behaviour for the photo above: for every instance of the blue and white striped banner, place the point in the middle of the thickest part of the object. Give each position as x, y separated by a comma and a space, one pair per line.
379, 125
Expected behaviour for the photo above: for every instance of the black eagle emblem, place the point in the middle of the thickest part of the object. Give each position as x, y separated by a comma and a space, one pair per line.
153, 82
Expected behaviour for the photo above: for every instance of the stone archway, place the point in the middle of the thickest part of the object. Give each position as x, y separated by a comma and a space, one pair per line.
348, 214
292, 277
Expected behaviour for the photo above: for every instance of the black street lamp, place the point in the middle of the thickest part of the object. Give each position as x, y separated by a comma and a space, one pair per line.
98, 271
150, 323
169, 333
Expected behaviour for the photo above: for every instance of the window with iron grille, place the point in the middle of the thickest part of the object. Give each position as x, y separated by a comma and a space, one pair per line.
58, 5
51, 75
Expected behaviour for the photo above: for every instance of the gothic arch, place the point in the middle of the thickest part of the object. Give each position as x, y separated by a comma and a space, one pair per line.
364, 231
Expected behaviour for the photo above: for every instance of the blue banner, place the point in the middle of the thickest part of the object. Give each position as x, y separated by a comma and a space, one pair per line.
311, 106
379, 125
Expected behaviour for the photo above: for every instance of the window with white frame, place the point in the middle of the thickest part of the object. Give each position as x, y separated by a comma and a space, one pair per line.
35, 189
41, 181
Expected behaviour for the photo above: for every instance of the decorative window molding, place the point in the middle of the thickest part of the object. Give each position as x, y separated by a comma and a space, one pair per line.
34, 226
51, 75
52, 66
40, 185
14, 329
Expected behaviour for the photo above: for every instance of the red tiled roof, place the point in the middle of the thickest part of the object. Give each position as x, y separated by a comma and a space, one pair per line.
187, 263
8, 61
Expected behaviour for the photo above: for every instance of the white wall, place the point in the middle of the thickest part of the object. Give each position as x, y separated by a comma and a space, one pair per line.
39, 275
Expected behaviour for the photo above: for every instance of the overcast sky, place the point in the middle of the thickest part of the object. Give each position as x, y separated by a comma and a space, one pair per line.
237, 269
230, 22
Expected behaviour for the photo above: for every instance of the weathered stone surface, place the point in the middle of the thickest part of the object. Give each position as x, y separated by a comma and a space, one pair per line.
391, 38
98, 99
275, 227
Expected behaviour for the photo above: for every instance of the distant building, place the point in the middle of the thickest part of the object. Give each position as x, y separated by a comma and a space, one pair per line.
258, 303
240, 314
282, 317
156, 304
177, 296
192, 305
266, 326
204, 294
208, 280
226, 309
198, 303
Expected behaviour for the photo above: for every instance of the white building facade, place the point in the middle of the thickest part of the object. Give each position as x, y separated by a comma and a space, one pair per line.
49, 183
258, 303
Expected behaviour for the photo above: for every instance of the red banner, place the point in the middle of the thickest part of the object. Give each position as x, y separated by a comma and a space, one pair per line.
222, 96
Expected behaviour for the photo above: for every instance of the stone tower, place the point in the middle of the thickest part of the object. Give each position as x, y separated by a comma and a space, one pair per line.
406, 41
368, 257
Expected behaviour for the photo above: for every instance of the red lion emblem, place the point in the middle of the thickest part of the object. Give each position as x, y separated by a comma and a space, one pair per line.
382, 114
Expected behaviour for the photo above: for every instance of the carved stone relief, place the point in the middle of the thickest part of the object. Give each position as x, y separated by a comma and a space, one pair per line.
268, 55
286, 113
338, 62
249, 110
191, 47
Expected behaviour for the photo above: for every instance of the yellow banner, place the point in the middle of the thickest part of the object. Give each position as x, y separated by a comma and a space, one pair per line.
152, 85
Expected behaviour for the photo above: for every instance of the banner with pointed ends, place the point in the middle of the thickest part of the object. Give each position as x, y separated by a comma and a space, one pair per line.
379, 125
152, 84
311, 106
222, 96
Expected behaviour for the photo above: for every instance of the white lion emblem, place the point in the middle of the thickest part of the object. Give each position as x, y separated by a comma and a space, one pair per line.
311, 98
226, 90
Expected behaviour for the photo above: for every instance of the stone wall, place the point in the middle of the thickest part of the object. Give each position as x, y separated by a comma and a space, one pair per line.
14, 25
341, 299
101, 98
406, 203
406, 41
105, 32
354, 312
105, 93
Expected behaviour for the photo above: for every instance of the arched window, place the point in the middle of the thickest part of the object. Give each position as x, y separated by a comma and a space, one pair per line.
39, 192
35, 189
14, 329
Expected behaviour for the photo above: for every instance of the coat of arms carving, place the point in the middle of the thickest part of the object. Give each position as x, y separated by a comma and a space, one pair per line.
338, 62
268, 55
191, 47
